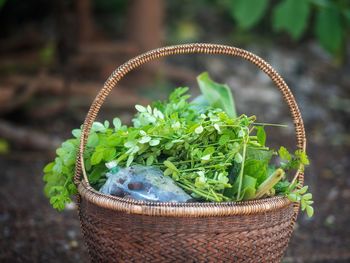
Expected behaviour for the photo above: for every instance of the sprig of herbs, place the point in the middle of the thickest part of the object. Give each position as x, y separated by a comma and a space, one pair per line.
212, 155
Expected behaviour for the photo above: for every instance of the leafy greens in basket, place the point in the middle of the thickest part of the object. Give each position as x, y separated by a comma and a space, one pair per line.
203, 145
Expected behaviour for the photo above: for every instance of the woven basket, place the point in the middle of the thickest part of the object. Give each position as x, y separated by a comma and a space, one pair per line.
119, 230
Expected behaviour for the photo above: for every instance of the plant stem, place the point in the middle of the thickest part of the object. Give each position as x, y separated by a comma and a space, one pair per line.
270, 124
269, 183
240, 176
206, 195
213, 144
204, 167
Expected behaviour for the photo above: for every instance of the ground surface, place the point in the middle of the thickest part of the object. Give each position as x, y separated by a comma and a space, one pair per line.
30, 231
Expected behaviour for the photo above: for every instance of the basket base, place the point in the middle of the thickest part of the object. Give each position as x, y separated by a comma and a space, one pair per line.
113, 236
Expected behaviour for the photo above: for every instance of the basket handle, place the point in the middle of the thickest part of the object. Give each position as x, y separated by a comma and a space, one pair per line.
194, 48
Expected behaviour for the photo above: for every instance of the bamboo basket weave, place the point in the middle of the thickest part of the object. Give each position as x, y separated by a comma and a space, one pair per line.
119, 230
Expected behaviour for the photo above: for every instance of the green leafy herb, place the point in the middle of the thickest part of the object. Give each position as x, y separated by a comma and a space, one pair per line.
305, 199
208, 151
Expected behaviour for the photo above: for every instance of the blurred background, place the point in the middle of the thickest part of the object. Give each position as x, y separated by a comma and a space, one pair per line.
55, 56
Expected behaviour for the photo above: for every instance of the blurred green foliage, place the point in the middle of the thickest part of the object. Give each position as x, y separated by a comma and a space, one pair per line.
327, 20
248, 12
291, 16
110, 15
47, 53
4, 146
109, 5
2, 2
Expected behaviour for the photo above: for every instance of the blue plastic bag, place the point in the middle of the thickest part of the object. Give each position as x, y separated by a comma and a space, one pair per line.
142, 183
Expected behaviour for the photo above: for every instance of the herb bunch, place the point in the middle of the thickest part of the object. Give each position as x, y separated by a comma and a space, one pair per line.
210, 152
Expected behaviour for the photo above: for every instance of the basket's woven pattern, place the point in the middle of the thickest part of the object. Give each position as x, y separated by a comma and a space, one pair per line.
120, 230
118, 237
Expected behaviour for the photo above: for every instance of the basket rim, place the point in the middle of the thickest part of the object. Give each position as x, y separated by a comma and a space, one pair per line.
172, 209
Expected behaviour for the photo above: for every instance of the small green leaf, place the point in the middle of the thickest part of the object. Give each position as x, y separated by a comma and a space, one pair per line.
284, 154
238, 158
109, 154
303, 190
206, 157
217, 127
76, 133
175, 176
154, 142
168, 172
218, 95
292, 16
168, 145
259, 154
241, 133
303, 204
98, 127
96, 157
144, 139
249, 187
209, 150
114, 140
92, 140
223, 178
199, 129
48, 167
309, 211
150, 160
293, 197
170, 165
302, 157
149, 109
224, 139
140, 108
261, 135
117, 124
96, 173
200, 181
307, 196
130, 144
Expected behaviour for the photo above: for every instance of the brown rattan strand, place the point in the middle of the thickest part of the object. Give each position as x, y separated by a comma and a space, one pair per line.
124, 230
